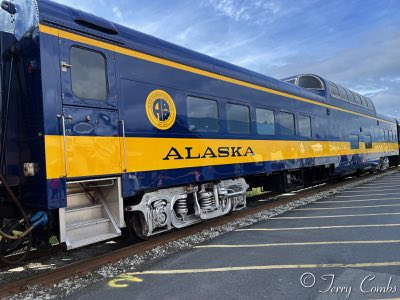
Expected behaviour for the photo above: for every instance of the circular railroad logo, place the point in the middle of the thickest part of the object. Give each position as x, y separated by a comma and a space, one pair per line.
160, 109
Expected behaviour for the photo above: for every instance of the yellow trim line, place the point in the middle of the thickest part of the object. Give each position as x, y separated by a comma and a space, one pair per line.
98, 155
267, 267
121, 50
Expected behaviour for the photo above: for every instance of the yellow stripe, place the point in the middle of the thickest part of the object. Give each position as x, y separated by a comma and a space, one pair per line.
319, 227
90, 156
161, 61
267, 267
87, 156
298, 244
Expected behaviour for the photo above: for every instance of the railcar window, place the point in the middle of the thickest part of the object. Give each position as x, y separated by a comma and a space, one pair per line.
342, 92
265, 121
334, 90
287, 125
354, 141
88, 74
383, 136
368, 142
310, 82
350, 96
202, 114
358, 99
364, 101
304, 126
238, 118
292, 81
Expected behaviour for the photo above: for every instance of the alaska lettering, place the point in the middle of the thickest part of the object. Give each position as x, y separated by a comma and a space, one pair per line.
189, 153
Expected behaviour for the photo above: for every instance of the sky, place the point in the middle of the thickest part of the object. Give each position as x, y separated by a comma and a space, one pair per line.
353, 43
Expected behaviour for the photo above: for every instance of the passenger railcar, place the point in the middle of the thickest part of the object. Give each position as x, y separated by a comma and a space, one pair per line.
104, 127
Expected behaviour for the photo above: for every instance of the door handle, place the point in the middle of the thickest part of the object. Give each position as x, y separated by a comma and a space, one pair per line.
62, 118
65, 66
122, 122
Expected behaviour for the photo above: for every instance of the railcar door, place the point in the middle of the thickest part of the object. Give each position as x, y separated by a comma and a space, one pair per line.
90, 117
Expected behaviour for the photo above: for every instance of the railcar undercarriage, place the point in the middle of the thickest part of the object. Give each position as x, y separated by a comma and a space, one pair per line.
180, 207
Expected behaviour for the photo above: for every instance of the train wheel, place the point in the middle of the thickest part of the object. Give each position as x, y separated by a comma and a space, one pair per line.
137, 226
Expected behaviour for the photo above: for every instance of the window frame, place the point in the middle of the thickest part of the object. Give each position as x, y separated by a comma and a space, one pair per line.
227, 119
298, 125
351, 142
368, 145
274, 124
294, 123
205, 99
106, 73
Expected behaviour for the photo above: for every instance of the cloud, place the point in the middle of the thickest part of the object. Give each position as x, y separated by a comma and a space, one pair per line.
253, 12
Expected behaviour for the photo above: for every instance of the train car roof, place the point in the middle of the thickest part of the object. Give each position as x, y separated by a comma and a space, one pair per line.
71, 19
64, 17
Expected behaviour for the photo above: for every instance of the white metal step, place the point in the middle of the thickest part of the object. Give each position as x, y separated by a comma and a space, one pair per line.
93, 240
88, 230
82, 222
79, 199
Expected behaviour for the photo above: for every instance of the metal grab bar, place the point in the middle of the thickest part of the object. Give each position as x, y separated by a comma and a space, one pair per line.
62, 117
125, 169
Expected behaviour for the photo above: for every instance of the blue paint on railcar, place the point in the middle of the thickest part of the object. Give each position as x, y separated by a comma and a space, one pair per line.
130, 80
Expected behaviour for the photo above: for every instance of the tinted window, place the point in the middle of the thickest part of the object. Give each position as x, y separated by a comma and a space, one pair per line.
305, 126
358, 98
202, 114
354, 142
238, 118
88, 74
265, 121
286, 121
383, 135
368, 142
364, 101
334, 90
350, 96
342, 92
292, 81
310, 82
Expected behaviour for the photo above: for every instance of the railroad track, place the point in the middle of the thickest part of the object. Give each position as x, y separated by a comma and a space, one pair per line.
82, 267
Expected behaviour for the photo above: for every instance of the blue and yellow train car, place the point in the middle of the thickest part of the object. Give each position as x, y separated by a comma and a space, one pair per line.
104, 127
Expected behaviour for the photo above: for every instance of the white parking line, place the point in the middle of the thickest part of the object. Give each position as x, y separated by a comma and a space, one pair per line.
367, 195
358, 200
343, 207
372, 187
319, 227
335, 216
380, 242
376, 190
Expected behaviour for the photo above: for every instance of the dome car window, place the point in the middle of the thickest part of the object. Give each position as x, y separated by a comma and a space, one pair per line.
310, 82
88, 74
238, 118
202, 114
